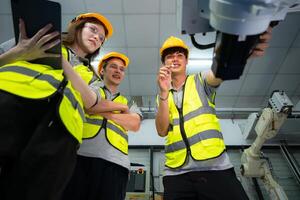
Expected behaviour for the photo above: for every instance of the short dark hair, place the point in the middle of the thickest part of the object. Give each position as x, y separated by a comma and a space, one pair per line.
171, 51
105, 63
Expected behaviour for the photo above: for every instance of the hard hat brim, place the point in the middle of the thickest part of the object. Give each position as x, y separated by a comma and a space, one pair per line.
101, 18
113, 55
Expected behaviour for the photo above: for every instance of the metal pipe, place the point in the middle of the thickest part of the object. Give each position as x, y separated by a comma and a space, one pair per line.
151, 173
290, 159
257, 189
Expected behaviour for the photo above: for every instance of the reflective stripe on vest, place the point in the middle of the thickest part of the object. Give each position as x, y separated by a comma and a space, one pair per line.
74, 102
36, 81
115, 134
92, 126
44, 77
195, 113
71, 109
118, 130
30, 80
197, 131
193, 140
35, 74
93, 123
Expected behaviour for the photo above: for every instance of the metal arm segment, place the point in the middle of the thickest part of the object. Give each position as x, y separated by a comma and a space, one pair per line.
267, 127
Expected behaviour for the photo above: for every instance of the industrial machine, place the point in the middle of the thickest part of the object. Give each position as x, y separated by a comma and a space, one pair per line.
238, 23
267, 126
137, 186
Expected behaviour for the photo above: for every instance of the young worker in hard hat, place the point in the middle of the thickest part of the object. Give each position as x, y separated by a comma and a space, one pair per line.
103, 165
197, 165
38, 155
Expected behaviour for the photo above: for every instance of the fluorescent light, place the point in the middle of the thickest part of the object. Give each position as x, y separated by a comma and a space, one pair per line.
295, 8
197, 65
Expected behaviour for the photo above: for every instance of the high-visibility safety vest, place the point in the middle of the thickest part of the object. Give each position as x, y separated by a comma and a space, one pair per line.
37, 81
194, 128
115, 134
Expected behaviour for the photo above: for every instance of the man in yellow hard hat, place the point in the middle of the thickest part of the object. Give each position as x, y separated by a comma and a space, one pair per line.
102, 164
197, 165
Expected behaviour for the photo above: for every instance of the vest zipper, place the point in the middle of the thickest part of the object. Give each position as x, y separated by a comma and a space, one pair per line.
182, 131
104, 123
181, 122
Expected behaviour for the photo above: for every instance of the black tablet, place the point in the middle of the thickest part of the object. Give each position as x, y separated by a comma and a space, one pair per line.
37, 14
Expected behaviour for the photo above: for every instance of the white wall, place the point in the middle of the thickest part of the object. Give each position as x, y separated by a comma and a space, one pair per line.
146, 135
297, 107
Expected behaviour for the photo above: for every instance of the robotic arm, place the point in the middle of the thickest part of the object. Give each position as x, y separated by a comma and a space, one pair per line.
267, 127
238, 23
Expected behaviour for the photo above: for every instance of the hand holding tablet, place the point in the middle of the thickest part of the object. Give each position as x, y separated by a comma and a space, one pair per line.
37, 26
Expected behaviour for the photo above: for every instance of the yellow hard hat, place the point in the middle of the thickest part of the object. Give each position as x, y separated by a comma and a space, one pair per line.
113, 55
99, 17
173, 42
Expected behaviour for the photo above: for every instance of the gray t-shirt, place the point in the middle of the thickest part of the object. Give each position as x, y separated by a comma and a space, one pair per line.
99, 147
220, 163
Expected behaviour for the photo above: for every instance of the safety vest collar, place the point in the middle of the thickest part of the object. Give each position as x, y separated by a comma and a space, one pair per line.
73, 58
205, 109
200, 90
107, 90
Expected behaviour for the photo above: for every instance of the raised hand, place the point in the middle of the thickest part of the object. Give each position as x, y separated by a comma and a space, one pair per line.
164, 78
36, 46
261, 47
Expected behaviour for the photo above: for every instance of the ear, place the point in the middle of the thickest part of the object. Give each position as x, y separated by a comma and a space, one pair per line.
101, 72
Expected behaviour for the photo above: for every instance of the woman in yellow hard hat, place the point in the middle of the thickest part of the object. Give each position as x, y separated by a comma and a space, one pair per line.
86, 34
42, 115
75, 41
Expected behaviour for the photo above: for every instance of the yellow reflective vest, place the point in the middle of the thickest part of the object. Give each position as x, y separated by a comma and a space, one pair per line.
194, 128
116, 135
37, 81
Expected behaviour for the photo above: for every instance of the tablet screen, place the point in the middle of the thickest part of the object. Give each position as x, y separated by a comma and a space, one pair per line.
37, 14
